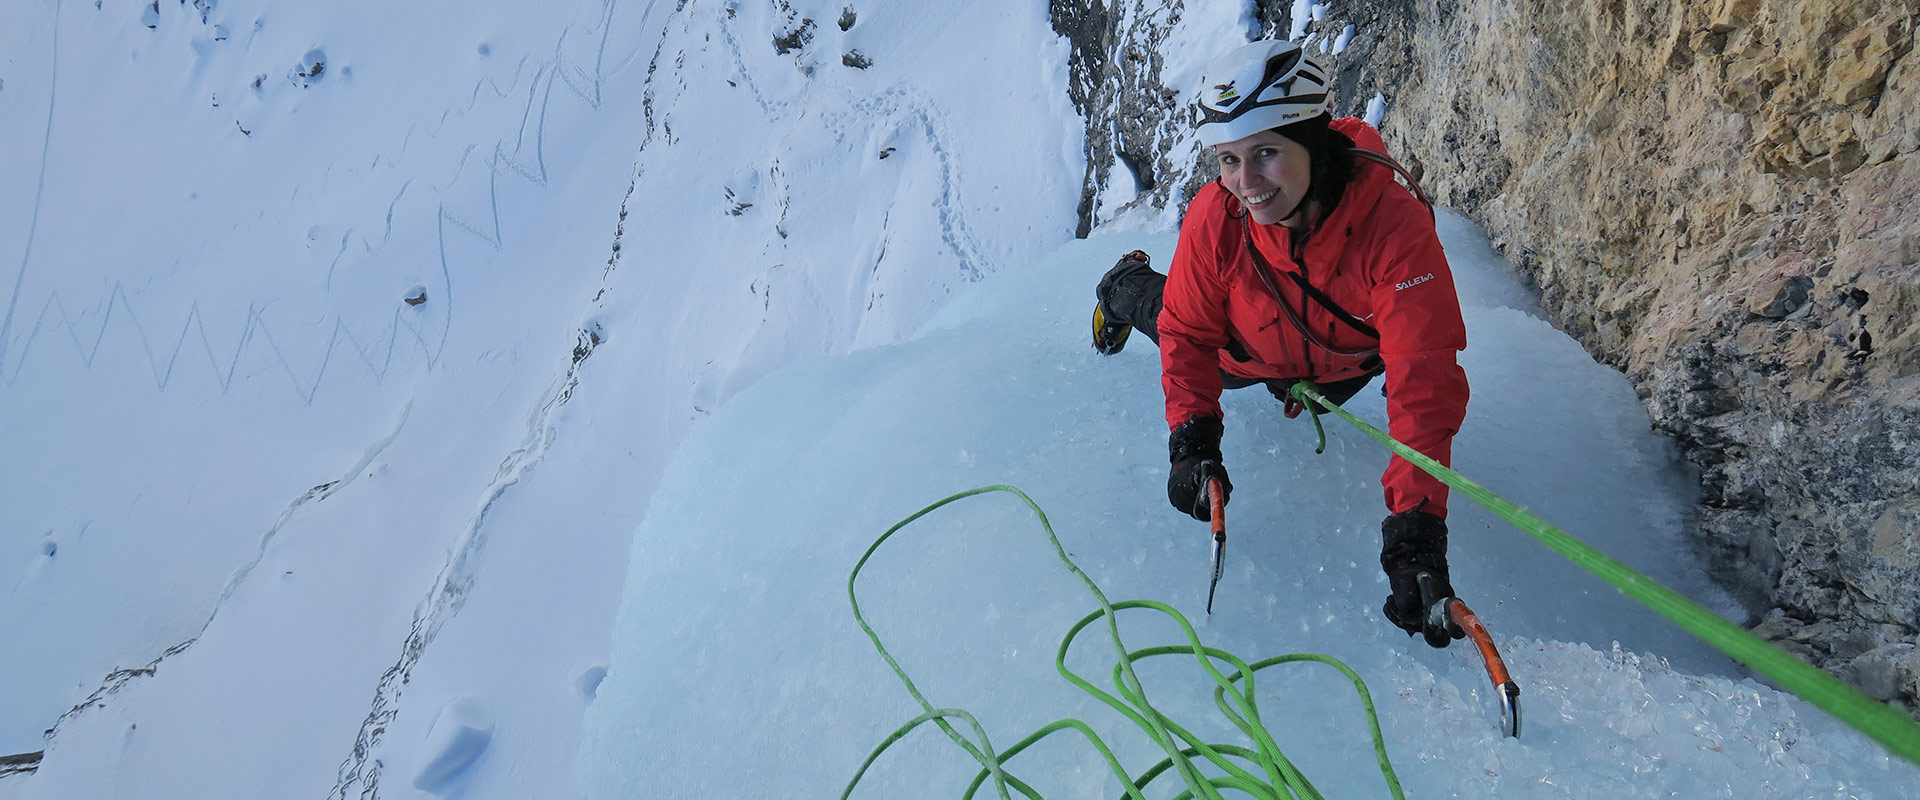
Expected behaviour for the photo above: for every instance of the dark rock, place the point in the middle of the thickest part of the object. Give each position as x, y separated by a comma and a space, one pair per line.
312, 66
1788, 296
20, 764
794, 39
1882, 672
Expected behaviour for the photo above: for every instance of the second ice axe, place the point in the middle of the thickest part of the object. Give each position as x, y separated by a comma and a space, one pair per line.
1217, 500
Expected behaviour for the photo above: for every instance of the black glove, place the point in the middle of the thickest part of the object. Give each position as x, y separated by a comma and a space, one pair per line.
1194, 449
1413, 543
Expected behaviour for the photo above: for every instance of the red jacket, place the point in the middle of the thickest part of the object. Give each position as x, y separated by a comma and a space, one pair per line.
1376, 256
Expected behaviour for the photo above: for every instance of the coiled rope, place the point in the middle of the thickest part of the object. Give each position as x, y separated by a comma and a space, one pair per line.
1261, 771
1893, 729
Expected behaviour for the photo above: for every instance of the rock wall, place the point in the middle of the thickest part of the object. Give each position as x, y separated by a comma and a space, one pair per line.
1716, 197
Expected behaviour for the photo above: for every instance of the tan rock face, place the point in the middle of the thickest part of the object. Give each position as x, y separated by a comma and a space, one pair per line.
1721, 198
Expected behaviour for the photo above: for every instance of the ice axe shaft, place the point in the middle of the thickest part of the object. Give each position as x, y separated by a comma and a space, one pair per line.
1445, 613
1217, 501
1507, 691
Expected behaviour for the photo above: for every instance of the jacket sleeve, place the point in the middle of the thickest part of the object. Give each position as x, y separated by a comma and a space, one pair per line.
1420, 332
1193, 318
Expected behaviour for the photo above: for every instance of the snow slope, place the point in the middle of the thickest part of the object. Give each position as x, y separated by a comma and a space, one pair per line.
266, 519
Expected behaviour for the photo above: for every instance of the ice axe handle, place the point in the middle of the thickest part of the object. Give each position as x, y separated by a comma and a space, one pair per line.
1503, 684
1217, 500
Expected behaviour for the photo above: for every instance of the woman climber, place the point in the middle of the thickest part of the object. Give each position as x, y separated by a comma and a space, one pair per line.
1305, 261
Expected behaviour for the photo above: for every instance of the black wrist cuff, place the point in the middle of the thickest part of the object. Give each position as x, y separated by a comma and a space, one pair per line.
1198, 437
1413, 538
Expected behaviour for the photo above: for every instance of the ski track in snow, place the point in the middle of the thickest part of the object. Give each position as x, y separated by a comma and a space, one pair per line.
385, 236
376, 348
39, 192
89, 328
456, 578
375, 352
362, 767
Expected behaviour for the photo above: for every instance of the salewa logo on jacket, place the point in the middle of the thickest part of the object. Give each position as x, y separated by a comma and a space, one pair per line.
1412, 283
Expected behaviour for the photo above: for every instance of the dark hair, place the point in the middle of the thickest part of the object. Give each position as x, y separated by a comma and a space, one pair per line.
1331, 155
1332, 165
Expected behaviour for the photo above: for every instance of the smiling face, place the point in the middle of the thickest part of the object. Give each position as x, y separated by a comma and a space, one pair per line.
1269, 173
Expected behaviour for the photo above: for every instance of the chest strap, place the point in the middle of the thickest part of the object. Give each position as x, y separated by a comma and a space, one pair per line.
1266, 272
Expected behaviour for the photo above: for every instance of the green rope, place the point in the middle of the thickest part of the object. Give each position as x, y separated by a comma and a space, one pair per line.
1279, 779
1893, 729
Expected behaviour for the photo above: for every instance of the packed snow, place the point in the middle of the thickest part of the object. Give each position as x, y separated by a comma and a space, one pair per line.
488, 400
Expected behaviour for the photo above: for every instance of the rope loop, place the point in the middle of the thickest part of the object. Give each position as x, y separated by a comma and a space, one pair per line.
1260, 771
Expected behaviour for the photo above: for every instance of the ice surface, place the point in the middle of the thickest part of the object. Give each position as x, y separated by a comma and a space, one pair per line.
735, 634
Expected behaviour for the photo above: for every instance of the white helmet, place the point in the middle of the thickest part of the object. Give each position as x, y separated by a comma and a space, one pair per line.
1261, 85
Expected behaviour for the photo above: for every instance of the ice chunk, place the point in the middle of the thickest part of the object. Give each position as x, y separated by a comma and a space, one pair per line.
457, 737
588, 682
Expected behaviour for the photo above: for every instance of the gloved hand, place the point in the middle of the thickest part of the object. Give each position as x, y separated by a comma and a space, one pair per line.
1414, 542
1194, 449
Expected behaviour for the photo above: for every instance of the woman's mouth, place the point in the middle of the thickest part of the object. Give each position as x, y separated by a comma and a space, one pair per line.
1262, 198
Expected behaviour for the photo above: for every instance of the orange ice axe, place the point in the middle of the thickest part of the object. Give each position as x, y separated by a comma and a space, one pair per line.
1217, 499
1444, 612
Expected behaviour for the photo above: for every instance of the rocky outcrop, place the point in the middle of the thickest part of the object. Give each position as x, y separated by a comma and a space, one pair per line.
1714, 197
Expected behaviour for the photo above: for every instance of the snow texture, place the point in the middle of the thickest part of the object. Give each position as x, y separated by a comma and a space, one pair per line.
1376, 109
293, 510
1300, 16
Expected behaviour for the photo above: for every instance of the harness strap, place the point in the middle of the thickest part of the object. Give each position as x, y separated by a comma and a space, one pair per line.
1266, 271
